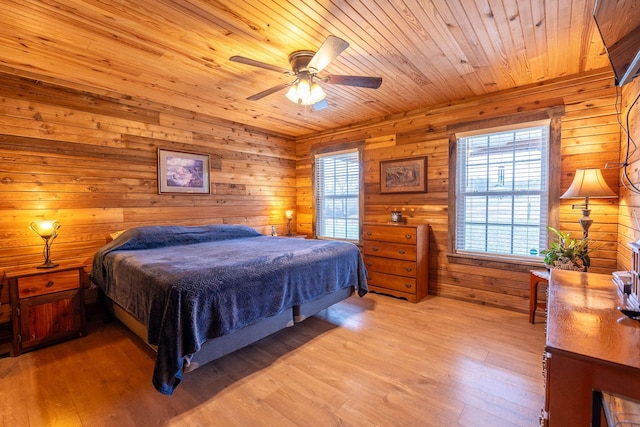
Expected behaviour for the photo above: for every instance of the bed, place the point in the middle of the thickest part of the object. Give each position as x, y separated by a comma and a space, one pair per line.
197, 293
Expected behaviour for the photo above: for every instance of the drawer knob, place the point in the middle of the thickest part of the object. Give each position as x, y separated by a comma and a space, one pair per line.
408, 236
369, 264
401, 251
407, 285
50, 284
375, 249
369, 233
409, 269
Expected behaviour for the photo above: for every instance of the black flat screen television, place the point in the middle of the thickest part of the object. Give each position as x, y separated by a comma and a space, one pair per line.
618, 22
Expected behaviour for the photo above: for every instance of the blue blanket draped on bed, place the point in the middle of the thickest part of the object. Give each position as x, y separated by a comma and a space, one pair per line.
188, 284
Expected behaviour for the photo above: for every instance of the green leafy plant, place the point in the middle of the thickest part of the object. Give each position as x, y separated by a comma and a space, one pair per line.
567, 251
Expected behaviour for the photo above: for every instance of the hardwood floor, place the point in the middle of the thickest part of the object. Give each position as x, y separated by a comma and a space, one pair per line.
375, 361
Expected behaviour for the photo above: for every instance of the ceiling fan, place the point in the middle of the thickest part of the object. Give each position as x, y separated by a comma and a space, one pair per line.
305, 66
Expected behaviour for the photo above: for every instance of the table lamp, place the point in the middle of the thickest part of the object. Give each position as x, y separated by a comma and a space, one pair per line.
48, 231
587, 183
289, 215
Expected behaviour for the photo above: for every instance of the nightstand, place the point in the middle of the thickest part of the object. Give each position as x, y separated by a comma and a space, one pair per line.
47, 305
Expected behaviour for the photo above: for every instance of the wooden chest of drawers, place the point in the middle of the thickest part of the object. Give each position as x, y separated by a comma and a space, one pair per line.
397, 257
47, 305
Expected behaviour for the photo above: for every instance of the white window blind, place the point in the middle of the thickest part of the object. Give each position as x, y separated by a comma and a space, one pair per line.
502, 191
337, 193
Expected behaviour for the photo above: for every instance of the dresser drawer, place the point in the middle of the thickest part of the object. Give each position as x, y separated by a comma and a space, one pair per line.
389, 281
390, 233
385, 265
30, 286
390, 250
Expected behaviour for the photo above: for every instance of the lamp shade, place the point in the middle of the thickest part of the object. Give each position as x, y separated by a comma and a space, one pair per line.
588, 183
45, 229
288, 214
305, 92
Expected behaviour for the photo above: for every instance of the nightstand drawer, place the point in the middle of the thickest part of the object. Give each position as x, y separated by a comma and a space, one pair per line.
385, 265
390, 250
30, 286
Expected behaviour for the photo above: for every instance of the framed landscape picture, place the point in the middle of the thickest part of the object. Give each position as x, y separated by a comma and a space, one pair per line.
180, 172
403, 175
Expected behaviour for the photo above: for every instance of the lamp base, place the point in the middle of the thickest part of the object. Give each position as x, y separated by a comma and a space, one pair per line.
48, 265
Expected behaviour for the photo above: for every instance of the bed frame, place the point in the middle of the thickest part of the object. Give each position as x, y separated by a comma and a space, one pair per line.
217, 347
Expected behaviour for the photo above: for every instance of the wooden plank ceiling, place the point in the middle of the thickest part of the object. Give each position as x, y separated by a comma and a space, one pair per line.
176, 52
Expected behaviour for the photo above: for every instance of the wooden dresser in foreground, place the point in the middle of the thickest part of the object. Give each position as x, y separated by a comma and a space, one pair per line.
591, 348
397, 258
47, 305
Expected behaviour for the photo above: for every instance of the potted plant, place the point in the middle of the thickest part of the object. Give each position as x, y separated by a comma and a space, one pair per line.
567, 253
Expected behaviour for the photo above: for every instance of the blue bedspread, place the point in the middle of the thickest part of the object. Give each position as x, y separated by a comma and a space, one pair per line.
188, 284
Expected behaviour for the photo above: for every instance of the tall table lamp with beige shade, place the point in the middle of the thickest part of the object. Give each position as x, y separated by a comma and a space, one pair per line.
587, 183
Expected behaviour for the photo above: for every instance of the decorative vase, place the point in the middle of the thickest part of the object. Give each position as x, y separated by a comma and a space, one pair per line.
396, 216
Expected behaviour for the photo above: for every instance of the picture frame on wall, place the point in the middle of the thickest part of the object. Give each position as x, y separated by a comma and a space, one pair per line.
403, 175
183, 172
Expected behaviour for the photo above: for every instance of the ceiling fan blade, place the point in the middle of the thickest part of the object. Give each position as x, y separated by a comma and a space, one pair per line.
253, 62
359, 81
264, 93
330, 49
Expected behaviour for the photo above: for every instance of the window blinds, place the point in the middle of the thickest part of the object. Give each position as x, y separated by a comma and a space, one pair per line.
337, 192
502, 191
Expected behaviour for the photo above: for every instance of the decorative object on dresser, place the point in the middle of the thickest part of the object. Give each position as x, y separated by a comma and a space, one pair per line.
48, 231
47, 306
403, 176
587, 183
591, 349
397, 257
396, 216
567, 253
623, 280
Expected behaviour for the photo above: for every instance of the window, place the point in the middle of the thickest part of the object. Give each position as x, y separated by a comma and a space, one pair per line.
502, 190
337, 195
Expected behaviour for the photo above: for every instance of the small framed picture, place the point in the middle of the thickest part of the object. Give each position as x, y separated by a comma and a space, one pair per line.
180, 172
403, 175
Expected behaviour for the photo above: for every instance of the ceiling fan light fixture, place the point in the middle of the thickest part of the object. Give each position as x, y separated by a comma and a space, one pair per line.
304, 89
317, 94
305, 94
292, 94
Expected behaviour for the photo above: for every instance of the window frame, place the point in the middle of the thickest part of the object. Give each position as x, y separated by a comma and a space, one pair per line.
335, 150
553, 114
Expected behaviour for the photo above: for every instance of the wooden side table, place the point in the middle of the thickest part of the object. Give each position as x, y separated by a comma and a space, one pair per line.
535, 278
47, 305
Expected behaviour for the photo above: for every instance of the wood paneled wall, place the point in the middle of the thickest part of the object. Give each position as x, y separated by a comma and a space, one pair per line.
89, 161
629, 212
590, 138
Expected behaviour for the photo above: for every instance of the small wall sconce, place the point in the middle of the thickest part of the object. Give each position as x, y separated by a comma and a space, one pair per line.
48, 231
289, 215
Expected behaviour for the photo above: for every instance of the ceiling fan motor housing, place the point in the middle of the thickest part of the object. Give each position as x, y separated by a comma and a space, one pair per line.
299, 61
